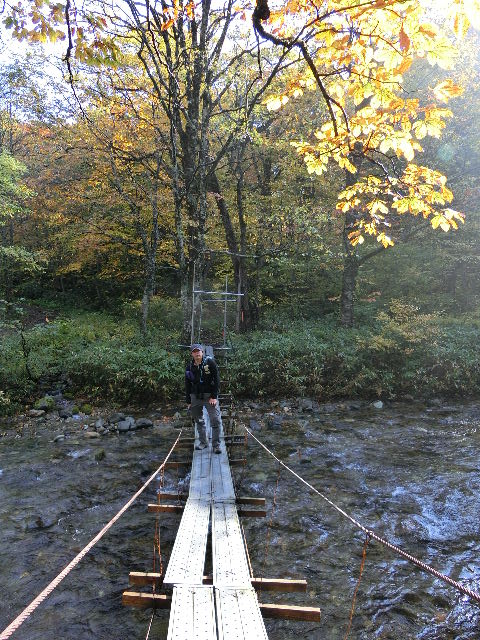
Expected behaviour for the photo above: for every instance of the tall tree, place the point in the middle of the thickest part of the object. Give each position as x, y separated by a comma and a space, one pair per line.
356, 55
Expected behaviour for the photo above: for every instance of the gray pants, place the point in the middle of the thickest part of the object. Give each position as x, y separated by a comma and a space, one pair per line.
197, 403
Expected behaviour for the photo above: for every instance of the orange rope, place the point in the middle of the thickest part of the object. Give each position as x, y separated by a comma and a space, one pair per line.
362, 565
20, 619
419, 563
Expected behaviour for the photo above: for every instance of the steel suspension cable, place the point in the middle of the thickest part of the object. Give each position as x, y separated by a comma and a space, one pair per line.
20, 619
419, 563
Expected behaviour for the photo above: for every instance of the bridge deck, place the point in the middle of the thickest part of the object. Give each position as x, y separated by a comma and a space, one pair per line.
227, 610
201, 475
221, 478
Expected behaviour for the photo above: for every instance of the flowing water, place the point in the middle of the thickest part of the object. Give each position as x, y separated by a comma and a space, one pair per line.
409, 472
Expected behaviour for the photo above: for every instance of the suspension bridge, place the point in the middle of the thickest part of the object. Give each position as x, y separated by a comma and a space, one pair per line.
222, 605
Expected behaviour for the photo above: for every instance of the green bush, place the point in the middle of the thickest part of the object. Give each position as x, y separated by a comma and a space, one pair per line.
102, 355
401, 351
5, 404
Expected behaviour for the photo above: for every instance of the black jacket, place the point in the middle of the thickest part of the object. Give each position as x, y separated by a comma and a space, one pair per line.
202, 378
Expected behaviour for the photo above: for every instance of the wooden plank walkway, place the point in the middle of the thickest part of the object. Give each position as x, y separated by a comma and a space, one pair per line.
201, 475
222, 606
227, 610
221, 478
230, 564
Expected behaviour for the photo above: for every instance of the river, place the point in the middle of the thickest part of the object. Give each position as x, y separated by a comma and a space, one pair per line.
408, 471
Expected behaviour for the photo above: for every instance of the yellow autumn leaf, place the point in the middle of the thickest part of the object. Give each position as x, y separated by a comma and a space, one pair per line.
460, 25
435, 128
386, 145
356, 238
420, 129
442, 54
438, 221
447, 89
472, 11
389, 57
405, 146
401, 205
274, 104
404, 66
368, 53
377, 205
344, 163
385, 240
451, 214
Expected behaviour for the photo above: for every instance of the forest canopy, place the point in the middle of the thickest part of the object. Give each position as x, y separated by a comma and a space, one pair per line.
320, 157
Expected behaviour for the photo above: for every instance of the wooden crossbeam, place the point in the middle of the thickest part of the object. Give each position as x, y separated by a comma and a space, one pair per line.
290, 612
144, 578
251, 500
167, 495
177, 463
278, 611
237, 462
165, 508
252, 513
178, 508
171, 495
285, 585
138, 599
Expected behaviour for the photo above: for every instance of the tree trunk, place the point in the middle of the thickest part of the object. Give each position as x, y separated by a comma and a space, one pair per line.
350, 260
349, 281
149, 288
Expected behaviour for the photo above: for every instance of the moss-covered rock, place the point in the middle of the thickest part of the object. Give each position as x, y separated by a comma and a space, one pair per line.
47, 403
86, 408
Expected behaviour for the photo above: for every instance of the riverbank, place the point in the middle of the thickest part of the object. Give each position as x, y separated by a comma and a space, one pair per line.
61, 419
398, 355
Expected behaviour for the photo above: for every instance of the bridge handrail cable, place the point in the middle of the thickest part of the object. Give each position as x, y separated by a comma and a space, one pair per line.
371, 534
20, 619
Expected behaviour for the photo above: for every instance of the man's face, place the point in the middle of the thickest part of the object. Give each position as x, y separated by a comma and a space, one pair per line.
197, 356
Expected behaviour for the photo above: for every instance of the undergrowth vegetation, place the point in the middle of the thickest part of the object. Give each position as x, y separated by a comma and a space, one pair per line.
400, 352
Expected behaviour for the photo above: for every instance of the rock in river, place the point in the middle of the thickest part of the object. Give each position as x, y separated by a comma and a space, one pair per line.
143, 422
127, 424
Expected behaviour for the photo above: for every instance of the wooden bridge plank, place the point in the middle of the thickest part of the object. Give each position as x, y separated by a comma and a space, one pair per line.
238, 615
230, 565
200, 478
192, 615
186, 565
222, 483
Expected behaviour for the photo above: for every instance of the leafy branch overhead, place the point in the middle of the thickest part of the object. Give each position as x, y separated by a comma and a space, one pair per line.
358, 54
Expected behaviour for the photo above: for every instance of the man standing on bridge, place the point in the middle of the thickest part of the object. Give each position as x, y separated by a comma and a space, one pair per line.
201, 390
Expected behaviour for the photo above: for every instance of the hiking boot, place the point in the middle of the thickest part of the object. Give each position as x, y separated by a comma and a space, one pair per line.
200, 446
217, 449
